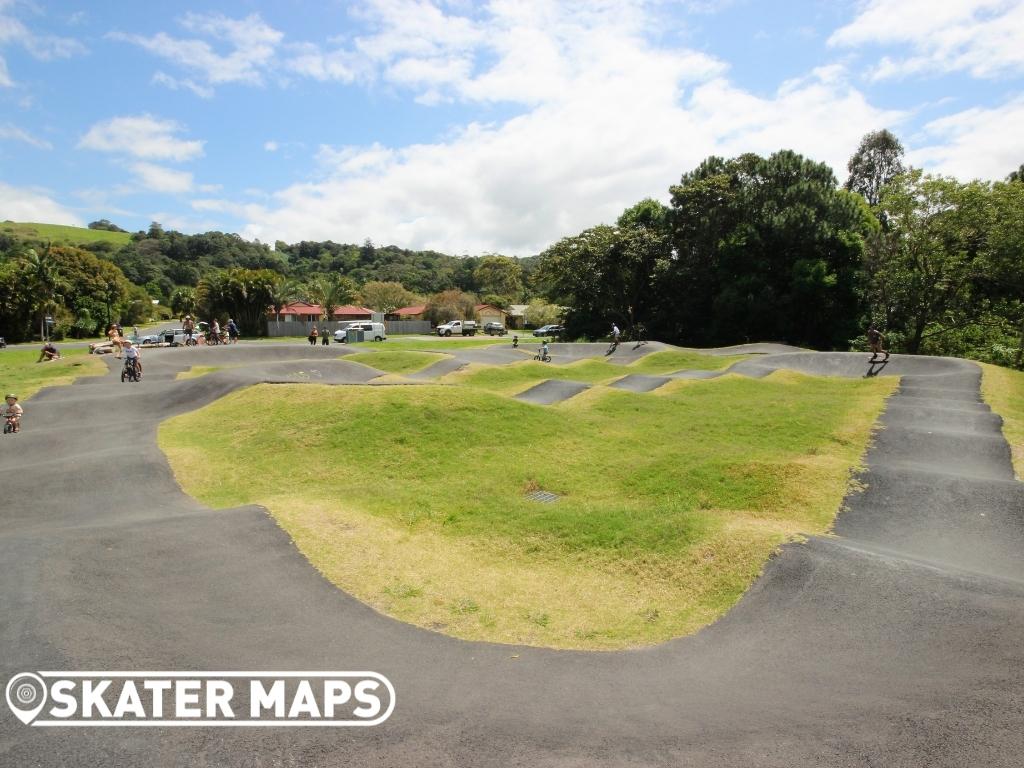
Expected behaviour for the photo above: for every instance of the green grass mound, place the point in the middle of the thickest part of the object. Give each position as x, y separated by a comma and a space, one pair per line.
669, 503
394, 361
516, 377
59, 233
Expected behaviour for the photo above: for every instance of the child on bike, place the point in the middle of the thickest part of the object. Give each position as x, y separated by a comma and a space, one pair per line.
133, 356
14, 412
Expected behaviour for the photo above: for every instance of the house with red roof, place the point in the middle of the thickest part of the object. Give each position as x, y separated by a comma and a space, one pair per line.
304, 312
414, 312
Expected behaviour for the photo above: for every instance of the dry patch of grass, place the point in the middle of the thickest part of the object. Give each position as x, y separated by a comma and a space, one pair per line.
1003, 390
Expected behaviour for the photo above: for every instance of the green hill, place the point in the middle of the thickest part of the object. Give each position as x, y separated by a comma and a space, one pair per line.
58, 233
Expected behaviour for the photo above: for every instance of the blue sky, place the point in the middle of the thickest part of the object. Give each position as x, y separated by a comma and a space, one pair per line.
473, 127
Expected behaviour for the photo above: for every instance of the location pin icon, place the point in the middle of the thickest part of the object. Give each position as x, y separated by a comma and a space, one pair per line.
26, 696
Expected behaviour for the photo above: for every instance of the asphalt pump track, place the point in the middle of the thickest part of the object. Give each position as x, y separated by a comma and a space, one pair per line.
897, 642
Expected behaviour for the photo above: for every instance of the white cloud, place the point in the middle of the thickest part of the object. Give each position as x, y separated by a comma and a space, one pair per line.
271, 146
29, 204
250, 45
14, 133
982, 37
142, 136
612, 119
157, 178
202, 91
955, 140
42, 47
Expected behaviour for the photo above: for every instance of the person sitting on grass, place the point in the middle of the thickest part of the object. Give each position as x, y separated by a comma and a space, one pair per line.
49, 353
14, 412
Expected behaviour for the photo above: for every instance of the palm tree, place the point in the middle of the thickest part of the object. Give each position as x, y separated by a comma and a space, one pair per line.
46, 283
330, 292
282, 294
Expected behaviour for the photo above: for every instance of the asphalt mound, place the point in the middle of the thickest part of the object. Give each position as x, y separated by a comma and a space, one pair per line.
552, 391
639, 383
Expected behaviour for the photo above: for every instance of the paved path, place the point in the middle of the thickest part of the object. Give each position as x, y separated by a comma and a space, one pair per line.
898, 642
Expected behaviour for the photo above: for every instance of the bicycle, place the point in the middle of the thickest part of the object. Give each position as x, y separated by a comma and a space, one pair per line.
131, 371
10, 425
543, 356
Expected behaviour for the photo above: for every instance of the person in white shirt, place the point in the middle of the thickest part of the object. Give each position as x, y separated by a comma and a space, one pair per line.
135, 355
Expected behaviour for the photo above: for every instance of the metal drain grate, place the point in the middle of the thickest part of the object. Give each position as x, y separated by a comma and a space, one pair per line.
545, 497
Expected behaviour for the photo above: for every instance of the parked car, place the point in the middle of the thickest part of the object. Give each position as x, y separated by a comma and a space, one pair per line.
374, 331
462, 327
494, 329
549, 330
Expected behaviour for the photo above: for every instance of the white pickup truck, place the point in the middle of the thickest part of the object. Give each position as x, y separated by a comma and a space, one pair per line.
463, 327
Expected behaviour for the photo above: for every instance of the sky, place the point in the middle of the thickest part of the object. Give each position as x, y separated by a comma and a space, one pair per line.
474, 127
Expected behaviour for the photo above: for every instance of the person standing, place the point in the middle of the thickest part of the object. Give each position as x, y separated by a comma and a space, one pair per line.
325, 337
232, 331
115, 340
876, 340
313, 334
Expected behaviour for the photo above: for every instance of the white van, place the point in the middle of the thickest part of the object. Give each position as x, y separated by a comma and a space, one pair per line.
371, 331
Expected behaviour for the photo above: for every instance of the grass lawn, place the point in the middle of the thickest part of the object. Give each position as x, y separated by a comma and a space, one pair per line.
22, 375
671, 360
1003, 390
199, 370
670, 503
394, 361
397, 343
59, 233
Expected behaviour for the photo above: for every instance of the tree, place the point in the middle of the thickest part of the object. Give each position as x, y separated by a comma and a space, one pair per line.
539, 313
330, 292
242, 294
765, 248
609, 274
184, 301
450, 305
104, 224
283, 293
877, 161
385, 296
1017, 175
923, 271
46, 284
499, 278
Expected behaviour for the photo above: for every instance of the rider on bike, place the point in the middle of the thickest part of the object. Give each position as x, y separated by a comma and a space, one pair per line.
14, 412
133, 356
